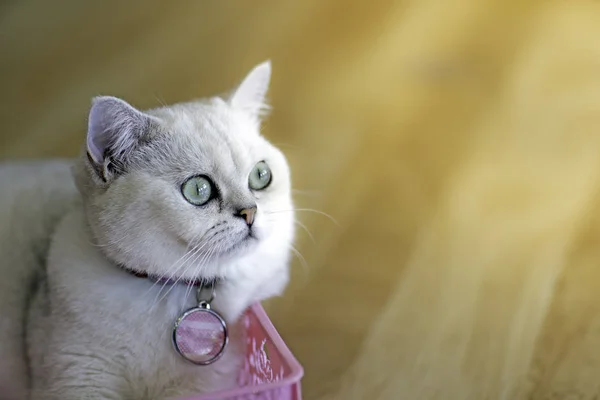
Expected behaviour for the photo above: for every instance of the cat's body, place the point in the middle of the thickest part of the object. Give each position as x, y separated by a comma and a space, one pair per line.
33, 198
75, 322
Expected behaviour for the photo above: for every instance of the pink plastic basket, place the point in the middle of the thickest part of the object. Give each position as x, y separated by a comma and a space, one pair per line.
270, 370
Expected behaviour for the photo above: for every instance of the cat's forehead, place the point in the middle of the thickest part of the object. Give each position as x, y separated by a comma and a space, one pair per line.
208, 136
207, 118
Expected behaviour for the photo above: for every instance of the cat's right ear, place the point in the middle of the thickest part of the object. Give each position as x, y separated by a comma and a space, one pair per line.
250, 94
115, 129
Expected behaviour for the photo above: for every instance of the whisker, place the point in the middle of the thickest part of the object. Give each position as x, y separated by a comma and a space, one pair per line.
205, 258
177, 265
190, 284
190, 259
175, 268
305, 229
171, 286
163, 285
299, 256
160, 100
199, 266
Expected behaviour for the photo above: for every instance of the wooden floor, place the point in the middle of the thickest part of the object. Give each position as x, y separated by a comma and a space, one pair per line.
456, 143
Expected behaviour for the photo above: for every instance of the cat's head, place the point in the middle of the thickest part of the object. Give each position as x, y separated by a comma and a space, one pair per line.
190, 190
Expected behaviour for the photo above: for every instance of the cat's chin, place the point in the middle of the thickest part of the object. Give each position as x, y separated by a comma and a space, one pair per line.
238, 248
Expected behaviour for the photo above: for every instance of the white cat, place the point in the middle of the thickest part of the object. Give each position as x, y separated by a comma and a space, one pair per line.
183, 192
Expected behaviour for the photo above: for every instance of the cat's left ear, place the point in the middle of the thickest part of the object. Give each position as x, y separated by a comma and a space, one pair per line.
251, 93
115, 130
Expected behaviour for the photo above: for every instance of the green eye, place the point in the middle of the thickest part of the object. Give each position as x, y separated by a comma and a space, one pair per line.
260, 176
197, 190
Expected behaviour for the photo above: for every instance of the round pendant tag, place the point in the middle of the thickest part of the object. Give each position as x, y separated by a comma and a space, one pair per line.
200, 336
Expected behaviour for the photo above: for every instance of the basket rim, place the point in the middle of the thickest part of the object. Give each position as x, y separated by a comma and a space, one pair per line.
296, 370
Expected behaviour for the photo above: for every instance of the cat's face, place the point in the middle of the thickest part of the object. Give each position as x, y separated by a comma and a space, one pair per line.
188, 191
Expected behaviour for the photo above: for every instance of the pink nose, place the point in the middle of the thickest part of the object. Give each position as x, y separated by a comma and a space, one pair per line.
248, 215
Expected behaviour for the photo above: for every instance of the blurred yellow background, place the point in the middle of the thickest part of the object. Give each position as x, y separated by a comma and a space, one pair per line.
456, 143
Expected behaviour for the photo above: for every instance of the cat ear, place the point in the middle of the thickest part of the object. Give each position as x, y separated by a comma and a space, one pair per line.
114, 130
250, 94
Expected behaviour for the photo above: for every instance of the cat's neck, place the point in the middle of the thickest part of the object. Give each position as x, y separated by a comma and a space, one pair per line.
161, 280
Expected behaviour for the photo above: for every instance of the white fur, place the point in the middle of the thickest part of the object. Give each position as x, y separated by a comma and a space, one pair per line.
100, 332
